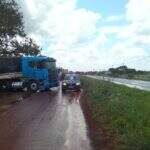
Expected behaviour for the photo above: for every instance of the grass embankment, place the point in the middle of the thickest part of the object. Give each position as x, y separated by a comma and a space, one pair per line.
124, 111
145, 77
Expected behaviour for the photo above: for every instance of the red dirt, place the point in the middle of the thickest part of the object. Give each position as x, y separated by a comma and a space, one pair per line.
98, 134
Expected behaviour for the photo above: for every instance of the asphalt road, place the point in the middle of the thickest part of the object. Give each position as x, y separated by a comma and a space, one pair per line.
45, 121
143, 85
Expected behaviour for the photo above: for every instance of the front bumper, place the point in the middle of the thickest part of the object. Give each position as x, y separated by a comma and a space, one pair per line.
71, 87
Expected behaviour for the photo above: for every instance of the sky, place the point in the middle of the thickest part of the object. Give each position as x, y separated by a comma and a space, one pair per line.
89, 35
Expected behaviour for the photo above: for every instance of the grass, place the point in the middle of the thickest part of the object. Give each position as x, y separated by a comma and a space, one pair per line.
145, 77
124, 111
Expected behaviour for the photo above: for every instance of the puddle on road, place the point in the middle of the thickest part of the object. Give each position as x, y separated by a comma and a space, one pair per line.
76, 134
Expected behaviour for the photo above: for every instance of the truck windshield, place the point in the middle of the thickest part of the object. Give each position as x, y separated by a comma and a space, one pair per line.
46, 65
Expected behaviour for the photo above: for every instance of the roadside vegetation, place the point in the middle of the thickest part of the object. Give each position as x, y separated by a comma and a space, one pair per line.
122, 72
129, 73
145, 77
124, 112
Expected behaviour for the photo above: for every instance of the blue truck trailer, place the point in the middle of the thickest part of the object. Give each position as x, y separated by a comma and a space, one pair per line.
31, 72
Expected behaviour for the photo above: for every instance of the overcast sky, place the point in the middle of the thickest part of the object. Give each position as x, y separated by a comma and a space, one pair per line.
91, 34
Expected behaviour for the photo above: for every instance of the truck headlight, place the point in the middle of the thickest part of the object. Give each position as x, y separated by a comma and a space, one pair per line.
78, 83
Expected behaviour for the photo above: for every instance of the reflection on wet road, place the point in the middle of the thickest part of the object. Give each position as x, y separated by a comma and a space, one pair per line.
143, 85
76, 136
45, 121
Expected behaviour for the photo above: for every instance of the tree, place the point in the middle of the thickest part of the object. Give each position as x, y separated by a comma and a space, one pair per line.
25, 47
11, 19
11, 26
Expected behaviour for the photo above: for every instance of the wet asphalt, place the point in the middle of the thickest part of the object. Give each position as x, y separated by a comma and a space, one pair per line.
45, 121
138, 84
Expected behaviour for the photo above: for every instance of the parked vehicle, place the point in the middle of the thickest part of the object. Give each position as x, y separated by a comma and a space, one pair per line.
34, 73
71, 82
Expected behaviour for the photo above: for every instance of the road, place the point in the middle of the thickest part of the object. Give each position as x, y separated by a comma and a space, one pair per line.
45, 121
143, 85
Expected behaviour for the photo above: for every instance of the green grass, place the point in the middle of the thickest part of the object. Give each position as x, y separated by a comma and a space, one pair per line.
124, 111
145, 77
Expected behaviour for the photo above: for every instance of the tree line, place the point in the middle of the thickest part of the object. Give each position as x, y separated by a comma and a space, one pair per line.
123, 71
11, 27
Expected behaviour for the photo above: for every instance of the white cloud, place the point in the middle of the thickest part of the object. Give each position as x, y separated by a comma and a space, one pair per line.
65, 30
138, 10
138, 14
133, 39
126, 51
72, 36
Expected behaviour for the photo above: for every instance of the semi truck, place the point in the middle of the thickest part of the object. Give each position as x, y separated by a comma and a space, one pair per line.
28, 72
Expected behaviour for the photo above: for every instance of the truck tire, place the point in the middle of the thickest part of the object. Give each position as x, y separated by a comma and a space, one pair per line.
6, 85
33, 86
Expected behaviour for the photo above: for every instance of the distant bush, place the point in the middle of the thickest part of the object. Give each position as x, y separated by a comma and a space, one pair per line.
124, 111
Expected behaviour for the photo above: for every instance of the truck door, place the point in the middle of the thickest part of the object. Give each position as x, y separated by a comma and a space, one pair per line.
37, 72
41, 71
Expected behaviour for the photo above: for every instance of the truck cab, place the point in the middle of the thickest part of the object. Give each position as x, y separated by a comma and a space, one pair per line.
40, 72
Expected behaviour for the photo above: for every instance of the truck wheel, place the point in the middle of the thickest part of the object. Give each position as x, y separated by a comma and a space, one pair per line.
33, 86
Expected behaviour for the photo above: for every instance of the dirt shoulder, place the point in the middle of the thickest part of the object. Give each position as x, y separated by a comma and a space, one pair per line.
98, 134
